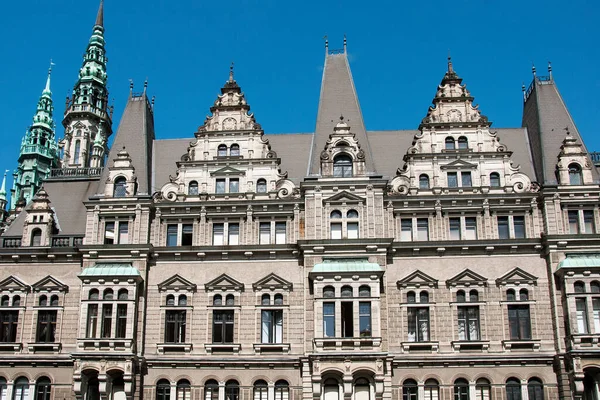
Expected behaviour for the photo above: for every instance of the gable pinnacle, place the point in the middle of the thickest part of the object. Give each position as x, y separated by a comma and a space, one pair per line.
450, 68
100, 16
533, 70
550, 69
231, 80
345, 43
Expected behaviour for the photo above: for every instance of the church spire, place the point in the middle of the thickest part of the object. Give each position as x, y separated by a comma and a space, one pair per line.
100, 16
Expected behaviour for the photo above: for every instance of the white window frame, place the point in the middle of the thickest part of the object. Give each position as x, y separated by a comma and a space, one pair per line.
463, 232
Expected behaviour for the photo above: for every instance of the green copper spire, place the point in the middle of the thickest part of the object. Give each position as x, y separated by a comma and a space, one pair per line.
3, 188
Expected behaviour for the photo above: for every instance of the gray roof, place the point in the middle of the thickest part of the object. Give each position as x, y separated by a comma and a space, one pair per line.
338, 97
135, 134
294, 150
165, 153
546, 116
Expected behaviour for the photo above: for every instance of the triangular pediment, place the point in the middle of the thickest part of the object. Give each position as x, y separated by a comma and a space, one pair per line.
12, 283
459, 164
272, 282
516, 277
177, 283
467, 278
344, 197
417, 279
224, 282
225, 171
49, 284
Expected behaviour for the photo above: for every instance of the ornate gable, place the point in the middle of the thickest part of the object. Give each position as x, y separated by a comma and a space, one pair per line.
573, 162
417, 279
342, 143
14, 284
272, 282
49, 284
344, 197
177, 283
223, 282
517, 276
467, 278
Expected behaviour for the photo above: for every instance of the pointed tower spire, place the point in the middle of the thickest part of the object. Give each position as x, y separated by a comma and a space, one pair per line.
3, 199
3, 188
47, 88
100, 16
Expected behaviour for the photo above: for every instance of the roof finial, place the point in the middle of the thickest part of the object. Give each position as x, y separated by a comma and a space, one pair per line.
533, 69
130, 86
550, 69
231, 73
100, 16
341, 117
326, 44
345, 43
153, 99
523, 90
47, 88
145, 85
450, 69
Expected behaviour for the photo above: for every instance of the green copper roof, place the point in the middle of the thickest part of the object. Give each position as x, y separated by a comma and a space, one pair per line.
580, 261
110, 269
346, 265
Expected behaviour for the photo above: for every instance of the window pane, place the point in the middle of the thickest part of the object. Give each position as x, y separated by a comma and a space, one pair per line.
452, 179
519, 226
347, 314
406, 229
234, 185
596, 309
573, 221
280, 232
220, 186
470, 228
172, 235
265, 233
588, 221
218, 233
329, 319
454, 228
336, 231
92, 319
187, 231
234, 234
364, 311
123, 232
261, 186
352, 230
422, 229
582, 319
503, 228
109, 233
466, 179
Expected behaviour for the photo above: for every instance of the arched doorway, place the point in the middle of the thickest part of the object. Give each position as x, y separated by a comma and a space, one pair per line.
591, 387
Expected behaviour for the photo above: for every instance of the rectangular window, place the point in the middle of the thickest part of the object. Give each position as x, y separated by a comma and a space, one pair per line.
573, 221
172, 235
519, 226
347, 311
582, 318
454, 228
109, 233
468, 323
272, 326
220, 185
121, 327
596, 313
418, 324
422, 229
352, 230
329, 319
46, 326
123, 232
107, 316
233, 237
223, 326
452, 179
234, 185
264, 233
336, 230
175, 321
466, 179
406, 229
187, 234
92, 321
470, 228
519, 322
588, 221
503, 228
9, 321
218, 234
280, 232
364, 318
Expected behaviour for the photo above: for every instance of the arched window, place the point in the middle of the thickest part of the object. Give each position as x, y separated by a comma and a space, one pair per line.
282, 390
460, 296
193, 188
278, 299
495, 179
217, 300
579, 287
43, 302
260, 390
331, 389
182, 301
261, 186
77, 151
265, 300
575, 174
43, 388
36, 237
108, 294
123, 294
16, 301
342, 166
346, 291
423, 181
54, 301
229, 300
535, 389
120, 187
463, 143
473, 296
461, 389
92, 391
211, 390
21, 389
523, 295
335, 214
364, 291
362, 389
450, 144
170, 300
410, 390
94, 294
352, 214
234, 150
510, 295
222, 150
232, 390
163, 390
513, 389
183, 390
328, 292
482, 389
411, 297
5, 301
432, 389
424, 297
595, 287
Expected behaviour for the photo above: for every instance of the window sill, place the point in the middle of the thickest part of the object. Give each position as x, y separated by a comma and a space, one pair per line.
527, 344
585, 340
272, 348
420, 346
174, 348
223, 347
15, 347
466, 345
44, 347
347, 343
105, 344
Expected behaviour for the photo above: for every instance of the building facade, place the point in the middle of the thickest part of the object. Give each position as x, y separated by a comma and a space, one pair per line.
455, 261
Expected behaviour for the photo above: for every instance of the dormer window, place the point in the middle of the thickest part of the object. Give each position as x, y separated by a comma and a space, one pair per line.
450, 143
120, 187
423, 181
463, 143
36, 237
222, 150
234, 150
342, 166
575, 174
495, 180
261, 186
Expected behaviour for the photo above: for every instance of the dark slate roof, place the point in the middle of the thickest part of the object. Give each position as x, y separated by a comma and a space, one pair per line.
338, 97
165, 153
546, 116
66, 198
136, 134
293, 149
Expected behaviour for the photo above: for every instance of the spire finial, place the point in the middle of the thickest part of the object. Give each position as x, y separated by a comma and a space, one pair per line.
533, 69
231, 73
450, 68
47, 88
100, 16
130, 86
550, 69
3, 188
345, 43
326, 44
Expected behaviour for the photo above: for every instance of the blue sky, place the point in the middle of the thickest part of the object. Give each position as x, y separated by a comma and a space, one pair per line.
397, 52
